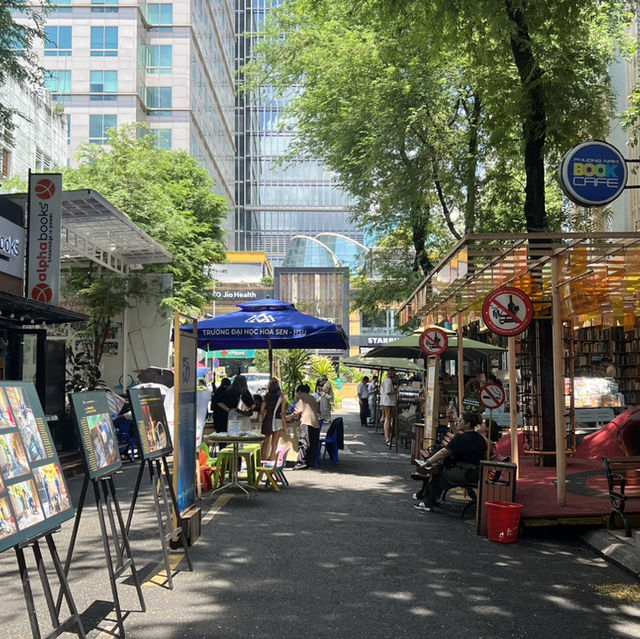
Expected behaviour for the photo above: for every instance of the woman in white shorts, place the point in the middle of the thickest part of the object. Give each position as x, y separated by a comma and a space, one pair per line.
273, 407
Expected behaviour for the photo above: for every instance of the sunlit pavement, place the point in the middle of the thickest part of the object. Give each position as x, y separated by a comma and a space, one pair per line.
340, 553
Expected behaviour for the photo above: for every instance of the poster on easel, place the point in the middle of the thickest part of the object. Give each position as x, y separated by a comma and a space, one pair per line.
34, 498
97, 434
147, 405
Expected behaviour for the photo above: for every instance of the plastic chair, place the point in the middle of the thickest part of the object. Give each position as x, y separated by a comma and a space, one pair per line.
273, 470
210, 462
332, 441
207, 473
251, 454
281, 460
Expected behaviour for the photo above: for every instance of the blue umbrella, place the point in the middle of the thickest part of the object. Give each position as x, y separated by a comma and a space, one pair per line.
268, 324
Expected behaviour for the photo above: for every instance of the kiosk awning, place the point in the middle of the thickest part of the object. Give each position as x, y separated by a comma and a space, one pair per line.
599, 281
94, 230
18, 311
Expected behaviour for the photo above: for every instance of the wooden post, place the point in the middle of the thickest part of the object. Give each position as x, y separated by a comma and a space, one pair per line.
558, 383
460, 370
513, 402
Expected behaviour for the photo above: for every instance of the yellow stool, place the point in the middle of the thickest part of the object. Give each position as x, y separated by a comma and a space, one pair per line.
252, 455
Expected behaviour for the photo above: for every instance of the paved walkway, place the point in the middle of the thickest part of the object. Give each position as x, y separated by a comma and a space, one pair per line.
342, 553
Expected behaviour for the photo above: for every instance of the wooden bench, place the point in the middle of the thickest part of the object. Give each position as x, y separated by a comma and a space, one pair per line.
623, 479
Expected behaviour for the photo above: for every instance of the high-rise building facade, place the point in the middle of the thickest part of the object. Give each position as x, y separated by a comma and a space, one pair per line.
275, 200
167, 64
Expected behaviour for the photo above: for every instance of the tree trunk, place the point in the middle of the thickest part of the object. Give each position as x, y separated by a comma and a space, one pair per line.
534, 126
471, 178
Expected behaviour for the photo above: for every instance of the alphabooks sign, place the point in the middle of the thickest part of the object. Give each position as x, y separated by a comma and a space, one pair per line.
45, 218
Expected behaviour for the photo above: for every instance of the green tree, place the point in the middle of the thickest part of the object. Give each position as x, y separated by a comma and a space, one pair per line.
453, 107
319, 366
17, 59
169, 195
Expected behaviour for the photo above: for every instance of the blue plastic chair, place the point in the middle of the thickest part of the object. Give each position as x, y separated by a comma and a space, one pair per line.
332, 441
126, 432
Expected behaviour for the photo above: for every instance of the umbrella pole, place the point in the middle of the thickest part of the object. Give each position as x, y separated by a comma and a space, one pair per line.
271, 371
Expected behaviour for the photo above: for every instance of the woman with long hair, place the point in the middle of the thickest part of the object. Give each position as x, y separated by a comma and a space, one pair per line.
274, 406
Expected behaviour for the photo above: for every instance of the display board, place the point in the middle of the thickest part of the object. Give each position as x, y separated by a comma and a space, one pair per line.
151, 420
97, 434
431, 401
33, 493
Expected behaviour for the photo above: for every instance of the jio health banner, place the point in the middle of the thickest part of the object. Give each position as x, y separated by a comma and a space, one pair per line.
45, 218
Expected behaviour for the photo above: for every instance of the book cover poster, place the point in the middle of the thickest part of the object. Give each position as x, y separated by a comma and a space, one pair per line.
151, 420
97, 434
34, 498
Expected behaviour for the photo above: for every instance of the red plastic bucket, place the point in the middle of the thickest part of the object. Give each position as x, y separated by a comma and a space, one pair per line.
503, 521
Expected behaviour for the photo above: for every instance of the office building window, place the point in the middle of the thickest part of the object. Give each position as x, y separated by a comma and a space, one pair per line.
68, 129
59, 83
6, 162
163, 138
103, 83
43, 161
61, 6
104, 41
160, 13
57, 41
98, 127
159, 98
159, 58
104, 6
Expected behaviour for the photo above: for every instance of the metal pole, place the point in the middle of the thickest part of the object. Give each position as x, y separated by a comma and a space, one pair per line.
558, 383
460, 365
513, 403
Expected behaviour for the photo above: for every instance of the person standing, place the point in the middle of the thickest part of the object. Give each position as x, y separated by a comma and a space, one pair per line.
306, 411
363, 399
220, 415
326, 399
274, 407
373, 393
388, 399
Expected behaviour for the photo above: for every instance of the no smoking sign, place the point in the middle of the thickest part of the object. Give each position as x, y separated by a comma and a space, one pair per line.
434, 341
492, 395
507, 311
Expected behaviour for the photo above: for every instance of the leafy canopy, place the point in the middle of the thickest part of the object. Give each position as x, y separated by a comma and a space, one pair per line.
169, 195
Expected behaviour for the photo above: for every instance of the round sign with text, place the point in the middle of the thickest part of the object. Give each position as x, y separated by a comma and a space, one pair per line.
433, 341
492, 395
593, 173
507, 311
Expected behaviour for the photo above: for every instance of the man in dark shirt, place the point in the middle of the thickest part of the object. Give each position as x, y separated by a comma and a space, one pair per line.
460, 460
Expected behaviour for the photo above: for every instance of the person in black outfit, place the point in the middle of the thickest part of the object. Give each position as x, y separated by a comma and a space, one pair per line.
460, 463
220, 415
230, 400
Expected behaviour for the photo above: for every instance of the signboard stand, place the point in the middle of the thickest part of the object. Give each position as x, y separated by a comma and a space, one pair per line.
166, 505
54, 612
107, 499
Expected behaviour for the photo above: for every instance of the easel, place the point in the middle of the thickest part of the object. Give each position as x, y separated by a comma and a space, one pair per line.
164, 507
54, 610
107, 500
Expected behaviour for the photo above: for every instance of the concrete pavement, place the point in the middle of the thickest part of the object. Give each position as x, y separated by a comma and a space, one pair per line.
343, 553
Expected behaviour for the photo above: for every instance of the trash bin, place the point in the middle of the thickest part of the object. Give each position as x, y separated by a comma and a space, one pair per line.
503, 521
497, 483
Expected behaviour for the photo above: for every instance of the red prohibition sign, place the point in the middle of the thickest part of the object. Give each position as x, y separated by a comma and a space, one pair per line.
492, 395
507, 311
434, 341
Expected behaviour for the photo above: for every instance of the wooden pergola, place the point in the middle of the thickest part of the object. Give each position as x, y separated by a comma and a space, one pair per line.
589, 279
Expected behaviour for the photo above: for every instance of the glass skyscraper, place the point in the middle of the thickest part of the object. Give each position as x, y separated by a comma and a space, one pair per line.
275, 202
167, 64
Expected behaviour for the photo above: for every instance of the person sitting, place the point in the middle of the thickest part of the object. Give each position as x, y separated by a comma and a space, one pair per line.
456, 464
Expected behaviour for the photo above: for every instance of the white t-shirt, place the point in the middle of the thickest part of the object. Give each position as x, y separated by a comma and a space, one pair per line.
386, 399
363, 391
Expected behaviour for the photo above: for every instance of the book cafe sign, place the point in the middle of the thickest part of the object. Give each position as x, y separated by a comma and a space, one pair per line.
593, 173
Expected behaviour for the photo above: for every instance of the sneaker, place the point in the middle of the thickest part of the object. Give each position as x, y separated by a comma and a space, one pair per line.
422, 507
